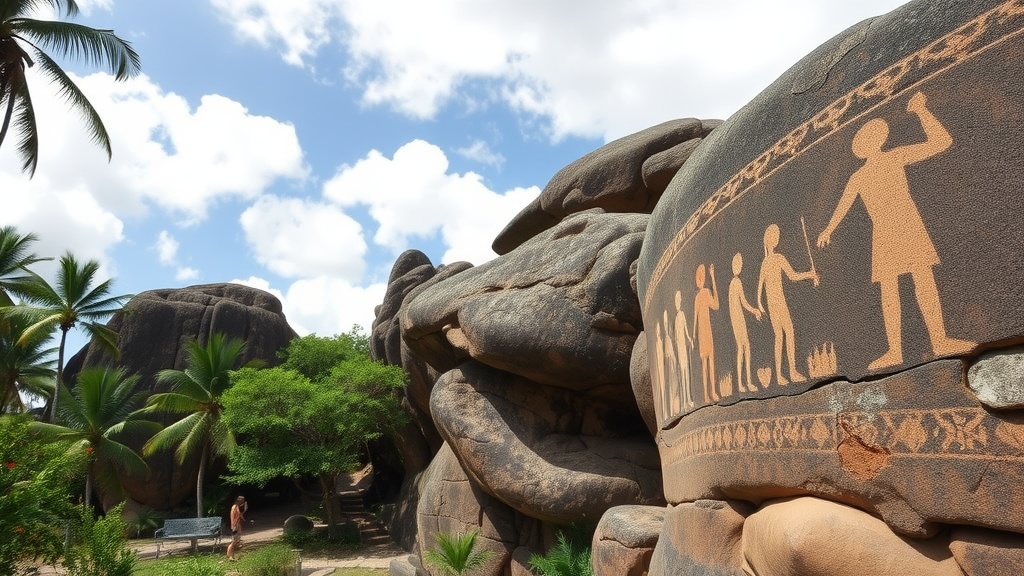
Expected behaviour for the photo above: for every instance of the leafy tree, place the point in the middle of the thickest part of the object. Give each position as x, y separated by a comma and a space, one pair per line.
294, 426
94, 416
197, 392
455, 555
74, 301
22, 40
314, 356
35, 480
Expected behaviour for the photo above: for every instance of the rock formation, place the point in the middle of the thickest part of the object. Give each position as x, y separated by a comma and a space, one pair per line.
153, 331
819, 326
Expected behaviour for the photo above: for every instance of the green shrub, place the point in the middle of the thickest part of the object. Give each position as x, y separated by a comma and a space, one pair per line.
454, 554
35, 480
100, 546
568, 557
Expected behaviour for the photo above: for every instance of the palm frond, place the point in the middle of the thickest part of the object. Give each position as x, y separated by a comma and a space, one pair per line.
89, 45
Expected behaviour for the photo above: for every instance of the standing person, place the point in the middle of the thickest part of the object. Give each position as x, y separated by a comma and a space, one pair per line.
737, 304
900, 243
703, 303
769, 283
237, 521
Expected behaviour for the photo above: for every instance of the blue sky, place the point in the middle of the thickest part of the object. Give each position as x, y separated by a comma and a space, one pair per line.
299, 146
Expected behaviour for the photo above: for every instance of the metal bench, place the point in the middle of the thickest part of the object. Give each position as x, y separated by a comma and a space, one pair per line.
188, 529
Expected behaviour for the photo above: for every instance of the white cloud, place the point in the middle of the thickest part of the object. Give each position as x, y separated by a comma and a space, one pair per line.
299, 238
166, 248
479, 151
412, 195
186, 274
324, 306
587, 68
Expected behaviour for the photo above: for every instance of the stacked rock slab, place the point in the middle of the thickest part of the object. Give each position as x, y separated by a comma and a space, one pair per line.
832, 293
153, 333
523, 364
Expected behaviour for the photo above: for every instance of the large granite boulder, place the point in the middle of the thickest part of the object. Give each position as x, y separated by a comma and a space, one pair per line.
845, 246
625, 175
153, 332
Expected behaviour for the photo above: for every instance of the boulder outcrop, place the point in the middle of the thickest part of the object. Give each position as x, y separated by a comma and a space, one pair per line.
153, 332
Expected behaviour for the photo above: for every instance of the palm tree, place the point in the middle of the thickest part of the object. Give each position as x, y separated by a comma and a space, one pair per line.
74, 301
196, 392
25, 366
93, 417
14, 258
21, 39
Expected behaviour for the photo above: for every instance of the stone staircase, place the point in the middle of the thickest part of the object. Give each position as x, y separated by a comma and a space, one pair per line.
371, 531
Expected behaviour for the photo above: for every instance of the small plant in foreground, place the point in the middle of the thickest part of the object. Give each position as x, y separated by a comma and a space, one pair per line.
455, 555
100, 548
565, 558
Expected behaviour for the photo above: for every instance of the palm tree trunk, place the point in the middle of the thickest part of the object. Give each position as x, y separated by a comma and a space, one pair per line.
88, 485
200, 478
60, 373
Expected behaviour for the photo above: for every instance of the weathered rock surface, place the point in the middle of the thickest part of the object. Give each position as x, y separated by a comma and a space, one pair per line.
154, 330
548, 452
814, 537
624, 540
981, 552
450, 504
625, 175
815, 282
997, 378
701, 538
558, 310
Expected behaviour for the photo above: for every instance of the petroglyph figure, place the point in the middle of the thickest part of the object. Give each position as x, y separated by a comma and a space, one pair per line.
769, 283
737, 304
900, 243
684, 343
703, 303
670, 387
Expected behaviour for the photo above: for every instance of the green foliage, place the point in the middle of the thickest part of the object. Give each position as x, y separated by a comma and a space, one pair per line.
22, 42
196, 393
35, 479
273, 560
94, 419
455, 555
568, 557
314, 356
144, 522
100, 546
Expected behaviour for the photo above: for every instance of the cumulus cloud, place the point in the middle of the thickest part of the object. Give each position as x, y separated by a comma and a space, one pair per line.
166, 247
412, 195
481, 152
324, 305
295, 237
592, 69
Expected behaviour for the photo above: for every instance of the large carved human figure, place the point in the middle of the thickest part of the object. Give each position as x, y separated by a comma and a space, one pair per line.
769, 284
900, 243
670, 386
703, 303
737, 304
684, 343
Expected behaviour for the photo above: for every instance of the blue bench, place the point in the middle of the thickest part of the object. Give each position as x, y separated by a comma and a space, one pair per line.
188, 529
